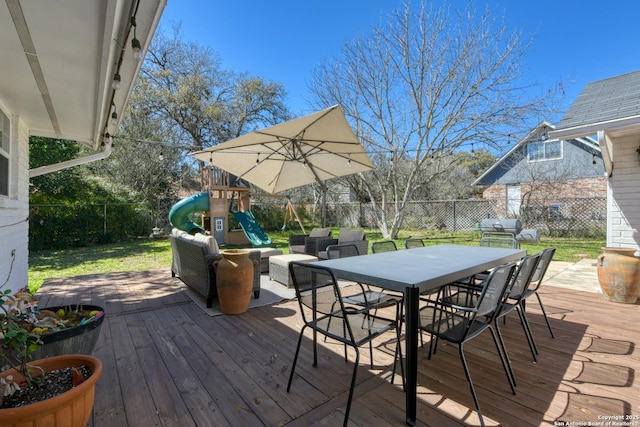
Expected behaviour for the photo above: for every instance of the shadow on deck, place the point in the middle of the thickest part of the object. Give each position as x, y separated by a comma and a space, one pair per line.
168, 363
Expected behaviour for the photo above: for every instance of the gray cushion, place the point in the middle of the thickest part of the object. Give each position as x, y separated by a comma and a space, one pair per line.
296, 249
209, 241
320, 232
350, 235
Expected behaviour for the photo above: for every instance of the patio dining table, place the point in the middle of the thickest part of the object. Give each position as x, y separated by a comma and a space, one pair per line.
415, 271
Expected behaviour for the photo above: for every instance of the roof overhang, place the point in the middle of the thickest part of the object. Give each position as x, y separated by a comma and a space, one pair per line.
607, 132
59, 59
618, 126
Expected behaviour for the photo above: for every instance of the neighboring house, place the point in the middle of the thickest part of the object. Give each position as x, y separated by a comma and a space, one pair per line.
68, 68
541, 171
610, 108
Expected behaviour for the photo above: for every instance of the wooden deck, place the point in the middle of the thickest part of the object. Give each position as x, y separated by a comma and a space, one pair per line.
167, 363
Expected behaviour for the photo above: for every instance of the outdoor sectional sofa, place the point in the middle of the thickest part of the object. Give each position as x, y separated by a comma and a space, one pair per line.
193, 262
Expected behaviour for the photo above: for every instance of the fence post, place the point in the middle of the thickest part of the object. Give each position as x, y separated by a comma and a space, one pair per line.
455, 221
104, 212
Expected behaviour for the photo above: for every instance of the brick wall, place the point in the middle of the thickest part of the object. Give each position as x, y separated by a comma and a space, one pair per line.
547, 193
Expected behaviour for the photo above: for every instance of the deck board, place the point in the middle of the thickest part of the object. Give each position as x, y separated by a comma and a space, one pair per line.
167, 363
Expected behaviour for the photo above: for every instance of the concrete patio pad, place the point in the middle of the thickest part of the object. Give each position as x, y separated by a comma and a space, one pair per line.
581, 275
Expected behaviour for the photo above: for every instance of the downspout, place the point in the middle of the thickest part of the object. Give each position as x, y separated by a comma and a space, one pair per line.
42, 170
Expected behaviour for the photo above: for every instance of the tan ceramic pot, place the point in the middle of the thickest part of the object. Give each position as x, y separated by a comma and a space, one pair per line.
70, 409
234, 281
619, 274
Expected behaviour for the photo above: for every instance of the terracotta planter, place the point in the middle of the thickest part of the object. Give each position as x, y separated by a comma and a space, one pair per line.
70, 409
619, 274
234, 281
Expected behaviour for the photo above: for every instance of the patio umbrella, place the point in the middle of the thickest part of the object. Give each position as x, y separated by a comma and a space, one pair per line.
302, 151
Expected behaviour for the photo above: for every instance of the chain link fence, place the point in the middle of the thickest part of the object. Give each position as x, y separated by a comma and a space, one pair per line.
60, 226
579, 217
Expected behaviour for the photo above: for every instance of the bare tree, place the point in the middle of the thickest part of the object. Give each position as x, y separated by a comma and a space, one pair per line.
420, 87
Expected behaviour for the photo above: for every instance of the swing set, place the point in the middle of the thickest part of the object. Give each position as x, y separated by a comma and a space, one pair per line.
290, 213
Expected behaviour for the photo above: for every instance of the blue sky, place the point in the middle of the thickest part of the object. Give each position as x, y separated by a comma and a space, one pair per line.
574, 41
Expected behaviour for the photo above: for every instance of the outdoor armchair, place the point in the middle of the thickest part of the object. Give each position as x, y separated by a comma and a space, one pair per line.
309, 243
345, 236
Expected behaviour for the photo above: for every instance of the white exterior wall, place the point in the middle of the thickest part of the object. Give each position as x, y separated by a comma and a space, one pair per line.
623, 195
14, 211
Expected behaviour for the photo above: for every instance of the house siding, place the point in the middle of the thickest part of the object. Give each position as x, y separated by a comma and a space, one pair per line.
14, 212
576, 162
623, 195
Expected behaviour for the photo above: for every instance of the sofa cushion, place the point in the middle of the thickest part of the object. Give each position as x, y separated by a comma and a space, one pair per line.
320, 232
208, 241
350, 235
296, 249
178, 233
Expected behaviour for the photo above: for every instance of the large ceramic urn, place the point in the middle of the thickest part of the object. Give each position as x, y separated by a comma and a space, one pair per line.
234, 281
619, 274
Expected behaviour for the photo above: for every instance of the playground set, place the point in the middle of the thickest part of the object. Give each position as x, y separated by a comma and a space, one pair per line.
225, 195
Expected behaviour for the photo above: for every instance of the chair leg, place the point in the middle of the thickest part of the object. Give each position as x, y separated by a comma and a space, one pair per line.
398, 357
527, 332
471, 388
546, 319
506, 354
295, 360
504, 357
353, 386
315, 348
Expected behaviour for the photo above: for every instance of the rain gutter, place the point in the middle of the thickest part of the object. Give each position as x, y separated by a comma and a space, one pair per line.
42, 170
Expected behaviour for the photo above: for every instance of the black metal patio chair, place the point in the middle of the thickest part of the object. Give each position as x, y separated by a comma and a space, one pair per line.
459, 324
383, 246
512, 301
536, 281
413, 243
317, 291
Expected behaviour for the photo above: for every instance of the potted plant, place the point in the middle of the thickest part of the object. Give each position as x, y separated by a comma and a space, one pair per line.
70, 379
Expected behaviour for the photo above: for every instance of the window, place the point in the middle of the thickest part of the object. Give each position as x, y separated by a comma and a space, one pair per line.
545, 150
4, 154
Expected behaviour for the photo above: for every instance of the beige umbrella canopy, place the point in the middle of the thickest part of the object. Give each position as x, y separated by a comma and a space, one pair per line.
302, 151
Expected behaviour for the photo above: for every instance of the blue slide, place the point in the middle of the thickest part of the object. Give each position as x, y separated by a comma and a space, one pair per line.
252, 229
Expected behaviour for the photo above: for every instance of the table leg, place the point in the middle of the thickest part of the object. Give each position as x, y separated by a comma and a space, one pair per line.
411, 298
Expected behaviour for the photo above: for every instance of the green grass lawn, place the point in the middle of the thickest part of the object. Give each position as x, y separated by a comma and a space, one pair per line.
144, 254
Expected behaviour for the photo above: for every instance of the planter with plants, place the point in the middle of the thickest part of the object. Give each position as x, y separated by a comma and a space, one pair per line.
57, 389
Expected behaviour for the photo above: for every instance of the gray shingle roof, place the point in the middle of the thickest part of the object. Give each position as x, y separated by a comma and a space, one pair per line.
605, 100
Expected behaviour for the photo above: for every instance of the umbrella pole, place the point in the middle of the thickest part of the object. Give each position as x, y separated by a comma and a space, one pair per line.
323, 188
